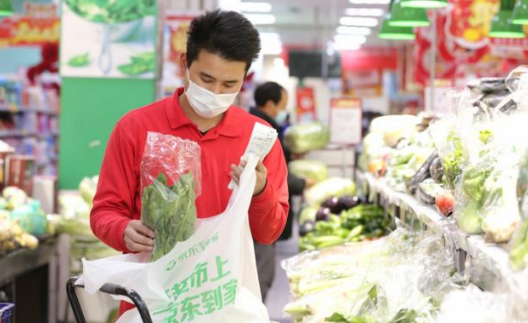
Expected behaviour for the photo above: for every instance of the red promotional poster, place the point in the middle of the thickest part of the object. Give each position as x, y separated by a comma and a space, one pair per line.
39, 25
305, 104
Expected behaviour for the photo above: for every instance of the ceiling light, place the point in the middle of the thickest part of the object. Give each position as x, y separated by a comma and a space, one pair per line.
395, 33
501, 26
6, 8
369, 1
346, 30
364, 12
520, 13
407, 17
358, 21
260, 19
255, 6
426, 4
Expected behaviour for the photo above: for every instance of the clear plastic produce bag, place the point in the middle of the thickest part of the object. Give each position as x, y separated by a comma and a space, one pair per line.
170, 181
309, 169
306, 137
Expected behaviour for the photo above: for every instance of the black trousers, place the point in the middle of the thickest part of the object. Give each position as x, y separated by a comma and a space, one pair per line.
265, 267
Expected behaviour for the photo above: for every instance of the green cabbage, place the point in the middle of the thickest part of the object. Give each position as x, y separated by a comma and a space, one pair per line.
309, 169
306, 137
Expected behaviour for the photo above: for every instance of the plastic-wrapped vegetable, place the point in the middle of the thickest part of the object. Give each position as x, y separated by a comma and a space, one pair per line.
311, 169
306, 137
395, 127
331, 187
170, 179
31, 218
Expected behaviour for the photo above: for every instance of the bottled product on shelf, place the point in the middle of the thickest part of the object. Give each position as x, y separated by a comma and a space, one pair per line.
29, 121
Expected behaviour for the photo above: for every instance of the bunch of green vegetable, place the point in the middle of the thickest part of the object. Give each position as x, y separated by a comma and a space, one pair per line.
170, 211
453, 160
112, 11
357, 224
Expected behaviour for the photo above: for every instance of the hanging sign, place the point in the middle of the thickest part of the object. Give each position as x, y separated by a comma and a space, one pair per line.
345, 121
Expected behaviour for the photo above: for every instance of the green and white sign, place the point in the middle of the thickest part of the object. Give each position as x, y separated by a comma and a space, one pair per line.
109, 38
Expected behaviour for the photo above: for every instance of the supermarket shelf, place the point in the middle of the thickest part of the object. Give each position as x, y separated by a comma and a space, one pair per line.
15, 109
22, 133
494, 257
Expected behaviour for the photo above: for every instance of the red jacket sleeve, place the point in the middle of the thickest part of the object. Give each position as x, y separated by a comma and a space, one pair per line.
113, 204
269, 210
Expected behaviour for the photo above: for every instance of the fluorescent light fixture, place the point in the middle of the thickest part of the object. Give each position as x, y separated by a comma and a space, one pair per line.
369, 1
260, 19
255, 7
358, 21
365, 12
346, 30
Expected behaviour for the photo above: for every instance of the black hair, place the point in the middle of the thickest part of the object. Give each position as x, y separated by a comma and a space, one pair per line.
269, 91
225, 33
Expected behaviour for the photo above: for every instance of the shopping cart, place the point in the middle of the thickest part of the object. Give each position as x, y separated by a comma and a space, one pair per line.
111, 289
6, 311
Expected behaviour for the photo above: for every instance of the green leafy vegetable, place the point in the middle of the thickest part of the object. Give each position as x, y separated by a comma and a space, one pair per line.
519, 251
170, 211
453, 160
79, 60
404, 316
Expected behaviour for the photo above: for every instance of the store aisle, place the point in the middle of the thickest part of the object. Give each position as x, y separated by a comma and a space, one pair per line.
279, 294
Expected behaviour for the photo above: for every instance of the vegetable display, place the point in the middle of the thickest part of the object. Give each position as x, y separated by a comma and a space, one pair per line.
170, 211
362, 222
306, 137
391, 280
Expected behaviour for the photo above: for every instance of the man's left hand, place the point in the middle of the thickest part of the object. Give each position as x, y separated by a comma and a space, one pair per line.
262, 176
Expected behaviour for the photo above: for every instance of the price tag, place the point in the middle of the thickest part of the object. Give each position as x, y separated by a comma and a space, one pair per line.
345, 121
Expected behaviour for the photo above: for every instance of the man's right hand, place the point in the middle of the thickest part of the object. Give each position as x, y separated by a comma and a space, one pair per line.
138, 237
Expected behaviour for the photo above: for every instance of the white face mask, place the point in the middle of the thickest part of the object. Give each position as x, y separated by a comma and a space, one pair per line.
205, 103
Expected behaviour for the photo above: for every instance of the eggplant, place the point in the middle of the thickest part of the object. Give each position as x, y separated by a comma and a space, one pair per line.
347, 202
323, 214
333, 204
306, 228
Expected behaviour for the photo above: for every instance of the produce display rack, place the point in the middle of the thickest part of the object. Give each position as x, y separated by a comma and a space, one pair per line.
467, 249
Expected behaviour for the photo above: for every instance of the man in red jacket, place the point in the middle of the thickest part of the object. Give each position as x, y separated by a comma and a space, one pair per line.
221, 46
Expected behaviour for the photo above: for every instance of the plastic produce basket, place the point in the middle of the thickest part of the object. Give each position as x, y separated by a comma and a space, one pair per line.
6, 310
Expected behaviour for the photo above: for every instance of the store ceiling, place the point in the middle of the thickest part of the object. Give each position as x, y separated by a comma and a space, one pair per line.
312, 23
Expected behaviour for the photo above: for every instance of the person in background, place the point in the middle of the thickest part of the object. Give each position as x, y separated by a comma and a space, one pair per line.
221, 46
271, 100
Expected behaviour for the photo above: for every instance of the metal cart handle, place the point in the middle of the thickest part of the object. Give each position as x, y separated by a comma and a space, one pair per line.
111, 289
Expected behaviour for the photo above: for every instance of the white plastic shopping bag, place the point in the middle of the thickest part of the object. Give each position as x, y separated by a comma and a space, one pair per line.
211, 277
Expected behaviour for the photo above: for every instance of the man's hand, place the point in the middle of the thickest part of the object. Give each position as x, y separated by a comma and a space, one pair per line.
138, 237
262, 176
